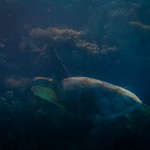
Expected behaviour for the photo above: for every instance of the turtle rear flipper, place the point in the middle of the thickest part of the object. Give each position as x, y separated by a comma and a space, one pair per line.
139, 117
145, 109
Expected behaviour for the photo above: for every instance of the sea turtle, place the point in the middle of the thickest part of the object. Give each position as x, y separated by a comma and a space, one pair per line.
83, 96
87, 97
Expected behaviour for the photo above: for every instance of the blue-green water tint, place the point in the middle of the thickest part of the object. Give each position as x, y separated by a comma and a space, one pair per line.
102, 39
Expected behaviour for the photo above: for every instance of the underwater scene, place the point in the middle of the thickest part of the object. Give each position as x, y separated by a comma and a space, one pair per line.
74, 75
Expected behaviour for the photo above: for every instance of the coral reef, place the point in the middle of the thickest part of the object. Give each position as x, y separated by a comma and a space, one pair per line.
105, 19
55, 34
93, 48
140, 25
64, 34
78, 38
18, 83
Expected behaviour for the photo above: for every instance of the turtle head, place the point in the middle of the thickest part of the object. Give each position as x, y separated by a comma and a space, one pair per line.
44, 88
43, 82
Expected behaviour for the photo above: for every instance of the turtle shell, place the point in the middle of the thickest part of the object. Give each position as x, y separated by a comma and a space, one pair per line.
89, 97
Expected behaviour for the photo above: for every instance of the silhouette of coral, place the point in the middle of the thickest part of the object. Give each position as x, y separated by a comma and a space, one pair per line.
65, 35
16, 83
55, 34
140, 25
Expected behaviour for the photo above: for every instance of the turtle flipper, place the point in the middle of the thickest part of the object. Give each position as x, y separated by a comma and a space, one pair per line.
46, 94
49, 95
145, 109
139, 117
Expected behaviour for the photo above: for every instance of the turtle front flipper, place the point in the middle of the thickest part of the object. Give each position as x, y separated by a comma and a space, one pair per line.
46, 94
50, 96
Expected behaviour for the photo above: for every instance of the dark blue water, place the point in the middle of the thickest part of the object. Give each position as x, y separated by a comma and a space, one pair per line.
102, 39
